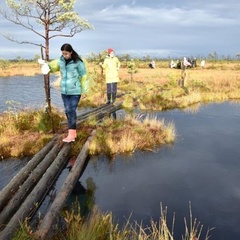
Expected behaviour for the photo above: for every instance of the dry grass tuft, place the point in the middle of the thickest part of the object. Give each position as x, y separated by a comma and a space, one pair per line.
101, 226
131, 133
24, 132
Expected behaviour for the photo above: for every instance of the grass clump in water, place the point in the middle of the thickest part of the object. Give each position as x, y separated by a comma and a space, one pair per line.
99, 226
131, 133
24, 132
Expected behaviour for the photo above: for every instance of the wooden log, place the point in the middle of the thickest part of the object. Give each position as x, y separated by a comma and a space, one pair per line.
14, 184
105, 112
27, 186
35, 198
102, 113
86, 114
108, 112
65, 191
33, 201
92, 111
96, 111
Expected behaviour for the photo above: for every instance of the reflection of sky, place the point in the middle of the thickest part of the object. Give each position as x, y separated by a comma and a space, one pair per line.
162, 28
202, 167
8, 169
26, 91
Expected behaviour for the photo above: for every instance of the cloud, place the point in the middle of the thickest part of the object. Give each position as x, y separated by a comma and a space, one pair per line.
166, 27
144, 16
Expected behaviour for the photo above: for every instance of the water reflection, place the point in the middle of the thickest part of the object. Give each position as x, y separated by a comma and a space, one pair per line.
9, 168
201, 167
80, 195
29, 91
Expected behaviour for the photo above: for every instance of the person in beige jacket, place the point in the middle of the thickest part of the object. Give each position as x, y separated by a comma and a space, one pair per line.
111, 67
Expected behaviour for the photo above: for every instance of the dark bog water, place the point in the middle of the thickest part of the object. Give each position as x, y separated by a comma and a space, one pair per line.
27, 91
201, 167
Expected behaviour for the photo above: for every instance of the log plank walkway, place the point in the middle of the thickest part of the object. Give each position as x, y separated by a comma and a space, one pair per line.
23, 195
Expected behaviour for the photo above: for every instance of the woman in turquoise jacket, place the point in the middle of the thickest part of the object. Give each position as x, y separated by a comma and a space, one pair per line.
73, 72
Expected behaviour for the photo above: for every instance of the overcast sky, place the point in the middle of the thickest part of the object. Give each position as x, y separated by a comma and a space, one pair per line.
163, 28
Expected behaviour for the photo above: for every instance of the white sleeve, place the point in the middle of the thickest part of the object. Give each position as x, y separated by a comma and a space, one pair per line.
45, 69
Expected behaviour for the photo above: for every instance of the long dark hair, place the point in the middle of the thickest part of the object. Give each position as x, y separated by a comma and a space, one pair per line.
67, 47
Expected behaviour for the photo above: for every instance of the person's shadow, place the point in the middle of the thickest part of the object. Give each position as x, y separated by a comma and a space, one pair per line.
81, 197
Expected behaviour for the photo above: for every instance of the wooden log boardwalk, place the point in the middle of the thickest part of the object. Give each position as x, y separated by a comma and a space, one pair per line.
23, 195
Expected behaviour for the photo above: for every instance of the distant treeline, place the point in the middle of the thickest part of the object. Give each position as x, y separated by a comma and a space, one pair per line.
96, 57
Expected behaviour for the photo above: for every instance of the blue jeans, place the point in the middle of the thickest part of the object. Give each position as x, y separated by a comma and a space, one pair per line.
70, 103
111, 92
112, 87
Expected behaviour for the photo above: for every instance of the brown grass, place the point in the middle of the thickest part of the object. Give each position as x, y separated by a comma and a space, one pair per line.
101, 226
224, 77
156, 89
21, 69
25, 132
224, 74
150, 89
131, 133
25, 144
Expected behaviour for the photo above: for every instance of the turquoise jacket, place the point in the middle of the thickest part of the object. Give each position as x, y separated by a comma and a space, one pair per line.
72, 75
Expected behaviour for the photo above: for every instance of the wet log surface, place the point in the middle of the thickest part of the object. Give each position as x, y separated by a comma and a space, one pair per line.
17, 181
65, 191
37, 195
23, 195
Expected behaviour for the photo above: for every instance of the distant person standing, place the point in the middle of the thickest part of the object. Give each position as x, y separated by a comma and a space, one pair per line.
179, 64
186, 63
172, 64
111, 67
203, 64
152, 64
194, 62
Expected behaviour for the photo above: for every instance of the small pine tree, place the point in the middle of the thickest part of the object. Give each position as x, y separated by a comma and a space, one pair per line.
132, 68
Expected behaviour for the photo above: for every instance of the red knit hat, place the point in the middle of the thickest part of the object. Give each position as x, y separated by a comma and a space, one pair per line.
110, 50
